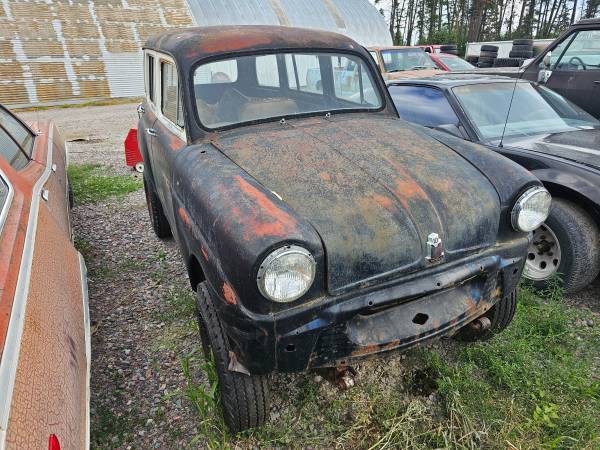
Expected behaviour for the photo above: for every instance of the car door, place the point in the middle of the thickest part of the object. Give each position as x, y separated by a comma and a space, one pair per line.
575, 69
168, 132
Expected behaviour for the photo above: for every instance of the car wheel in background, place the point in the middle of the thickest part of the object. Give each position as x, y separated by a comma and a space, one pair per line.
244, 398
568, 244
160, 225
499, 316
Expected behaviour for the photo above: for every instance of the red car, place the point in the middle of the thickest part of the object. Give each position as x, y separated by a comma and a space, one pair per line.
44, 320
449, 62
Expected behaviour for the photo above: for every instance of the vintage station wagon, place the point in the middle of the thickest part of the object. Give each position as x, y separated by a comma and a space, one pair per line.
316, 226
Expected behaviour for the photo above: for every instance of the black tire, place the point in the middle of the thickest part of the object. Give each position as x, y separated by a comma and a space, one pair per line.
500, 315
507, 62
472, 59
520, 54
484, 65
160, 224
244, 398
486, 60
488, 55
577, 234
522, 48
527, 42
448, 48
489, 48
451, 52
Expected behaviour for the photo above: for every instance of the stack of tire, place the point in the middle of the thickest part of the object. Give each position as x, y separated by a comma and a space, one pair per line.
473, 59
522, 49
487, 56
449, 48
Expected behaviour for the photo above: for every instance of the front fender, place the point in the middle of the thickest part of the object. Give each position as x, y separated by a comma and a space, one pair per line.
229, 222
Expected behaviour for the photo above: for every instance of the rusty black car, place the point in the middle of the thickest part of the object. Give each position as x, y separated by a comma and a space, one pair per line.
316, 226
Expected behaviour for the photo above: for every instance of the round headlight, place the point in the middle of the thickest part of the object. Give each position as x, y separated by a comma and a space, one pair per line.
286, 274
531, 209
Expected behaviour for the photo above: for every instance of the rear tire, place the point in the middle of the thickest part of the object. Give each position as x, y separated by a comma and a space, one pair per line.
160, 224
244, 398
578, 239
500, 316
525, 54
489, 48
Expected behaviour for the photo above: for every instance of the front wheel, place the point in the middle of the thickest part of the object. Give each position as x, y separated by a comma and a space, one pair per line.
244, 398
567, 243
500, 316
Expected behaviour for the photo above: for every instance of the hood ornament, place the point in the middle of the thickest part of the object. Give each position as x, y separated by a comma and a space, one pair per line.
435, 249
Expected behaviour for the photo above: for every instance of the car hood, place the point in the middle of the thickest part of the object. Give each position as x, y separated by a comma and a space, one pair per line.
579, 145
374, 188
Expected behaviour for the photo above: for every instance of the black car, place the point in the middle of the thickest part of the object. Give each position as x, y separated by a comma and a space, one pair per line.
536, 127
316, 226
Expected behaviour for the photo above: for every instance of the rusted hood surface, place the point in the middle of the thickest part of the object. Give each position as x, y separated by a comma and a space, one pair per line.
373, 188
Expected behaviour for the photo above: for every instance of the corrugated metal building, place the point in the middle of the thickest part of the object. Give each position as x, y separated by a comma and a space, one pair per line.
67, 51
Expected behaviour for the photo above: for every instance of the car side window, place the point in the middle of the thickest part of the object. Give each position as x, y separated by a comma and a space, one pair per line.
583, 52
3, 198
557, 52
16, 141
150, 77
19, 132
171, 105
424, 105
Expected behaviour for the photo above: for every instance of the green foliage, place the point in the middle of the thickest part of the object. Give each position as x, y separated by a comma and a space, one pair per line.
92, 183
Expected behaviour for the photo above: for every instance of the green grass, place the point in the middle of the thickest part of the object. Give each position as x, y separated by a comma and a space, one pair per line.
531, 387
93, 183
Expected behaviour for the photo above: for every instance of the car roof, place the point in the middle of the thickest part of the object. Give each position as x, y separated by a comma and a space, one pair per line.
448, 81
196, 43
394, 47
591, 21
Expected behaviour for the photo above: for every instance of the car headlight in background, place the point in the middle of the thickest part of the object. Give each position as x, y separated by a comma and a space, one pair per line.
286, 274
531, 209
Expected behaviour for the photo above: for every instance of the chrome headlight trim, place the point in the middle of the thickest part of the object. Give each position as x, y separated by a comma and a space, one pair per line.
521, 202
279, 253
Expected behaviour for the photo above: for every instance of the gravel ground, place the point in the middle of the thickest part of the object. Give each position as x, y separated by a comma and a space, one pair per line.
140, 305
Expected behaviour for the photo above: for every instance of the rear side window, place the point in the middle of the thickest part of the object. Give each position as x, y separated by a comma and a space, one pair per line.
21, 137
150, 75
3, 198
423, 105
171, 106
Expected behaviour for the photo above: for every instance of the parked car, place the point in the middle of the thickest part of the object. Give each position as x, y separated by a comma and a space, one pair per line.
570, 66
403, 62
541, 130
317, 227
44, 322
449, 62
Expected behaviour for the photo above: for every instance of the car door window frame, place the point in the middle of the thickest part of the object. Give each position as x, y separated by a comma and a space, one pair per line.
571, 37
5, 207
19, 145
158, 90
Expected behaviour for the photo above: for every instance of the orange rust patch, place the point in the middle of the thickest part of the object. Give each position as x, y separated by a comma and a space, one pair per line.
325, 176
185, 217
175, 143
277, 223
237, 41
204, 253
229, 294
384, 201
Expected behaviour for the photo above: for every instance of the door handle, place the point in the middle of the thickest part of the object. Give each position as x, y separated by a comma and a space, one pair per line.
151, 132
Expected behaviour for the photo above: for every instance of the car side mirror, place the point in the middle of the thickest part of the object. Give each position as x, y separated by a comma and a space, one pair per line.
452, 129
545, 73
547, 57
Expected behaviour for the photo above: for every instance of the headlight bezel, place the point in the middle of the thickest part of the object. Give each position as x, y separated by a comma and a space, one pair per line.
279, 253
521, 201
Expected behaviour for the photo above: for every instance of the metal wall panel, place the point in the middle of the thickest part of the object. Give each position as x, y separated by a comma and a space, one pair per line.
54, 52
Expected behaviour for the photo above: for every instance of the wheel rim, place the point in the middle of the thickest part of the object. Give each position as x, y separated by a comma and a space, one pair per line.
543, 254
139, 167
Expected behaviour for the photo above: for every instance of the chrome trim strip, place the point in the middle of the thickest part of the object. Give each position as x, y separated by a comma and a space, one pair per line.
88, 345
9, 198
12, 345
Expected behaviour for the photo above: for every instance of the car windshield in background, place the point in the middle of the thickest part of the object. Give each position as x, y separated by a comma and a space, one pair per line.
534, 110
406, 59
251, 88
455, 63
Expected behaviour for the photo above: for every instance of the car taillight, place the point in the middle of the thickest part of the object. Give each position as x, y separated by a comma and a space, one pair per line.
53, 443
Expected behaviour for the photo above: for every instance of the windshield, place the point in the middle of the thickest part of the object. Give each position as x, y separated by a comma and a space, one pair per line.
250, 88
534, 110
455, 63
406, 59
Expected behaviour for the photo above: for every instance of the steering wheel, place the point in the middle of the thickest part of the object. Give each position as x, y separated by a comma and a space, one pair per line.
580, 63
